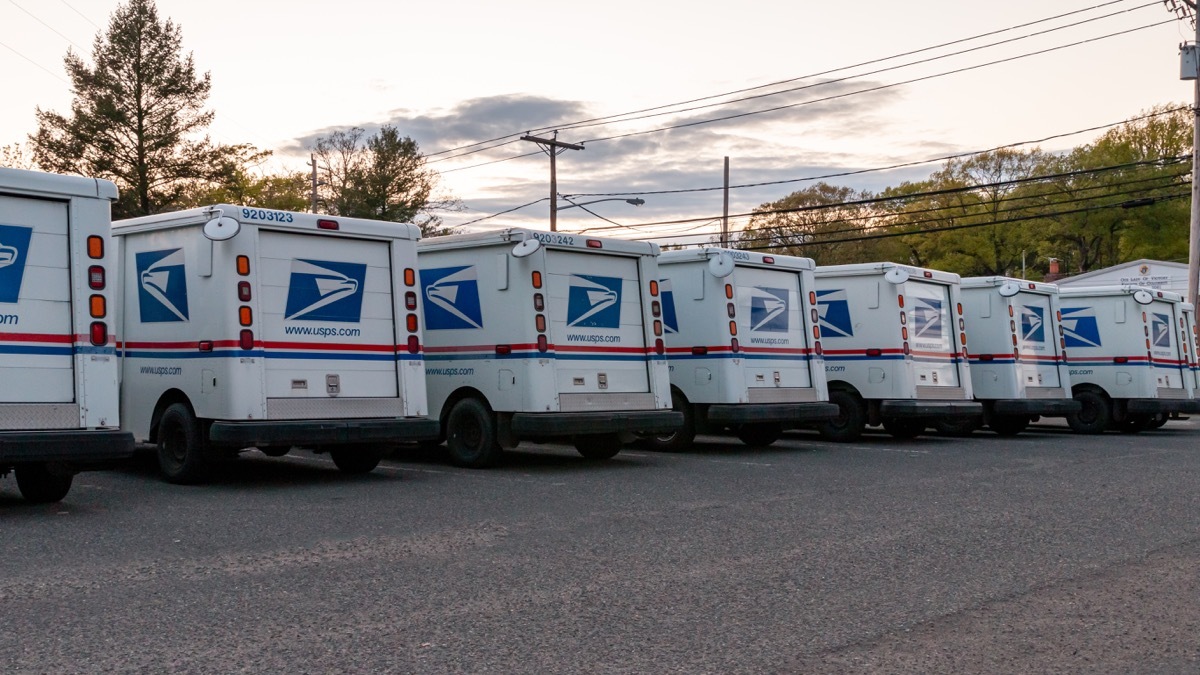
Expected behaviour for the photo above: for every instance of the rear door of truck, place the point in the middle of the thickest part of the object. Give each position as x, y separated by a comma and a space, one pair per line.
328, 326
930, 322
1166, 351
594, 306
771, 327
1037, 342
36, 330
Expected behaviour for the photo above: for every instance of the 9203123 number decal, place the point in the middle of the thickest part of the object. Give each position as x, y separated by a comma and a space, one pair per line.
269, 216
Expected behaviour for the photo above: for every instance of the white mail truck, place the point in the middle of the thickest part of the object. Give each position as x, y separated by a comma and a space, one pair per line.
540, 335
743, 344
58, 362
1017, 355
895, 346
1127, 356
245, 327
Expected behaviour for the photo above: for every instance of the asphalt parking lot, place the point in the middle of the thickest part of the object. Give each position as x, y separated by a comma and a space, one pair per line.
1047, 552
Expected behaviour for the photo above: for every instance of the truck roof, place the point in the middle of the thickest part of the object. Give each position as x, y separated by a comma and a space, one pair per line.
1026, 285
868, 269
556, 240
56, 185
1101, 291
254, 216
740, 257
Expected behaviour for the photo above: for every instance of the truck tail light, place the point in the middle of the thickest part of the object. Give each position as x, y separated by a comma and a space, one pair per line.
98, 332
95, 247
595, 243
1120, 359
1014, 340
660, 347
730, 310
244, 291
900, 300
327, 224
410, 276
817, 317
96, 279
874, 351
904, 332
537, 279
410, 322
657, 327
205, 346
959, 309
414, 345
246, 339
699, 351
812, 297
653, 288
410, 301
503, 350
818, 349
655, 308
97, 306
907, 350
733, 328
928, 274
543, 344
962, 339
729, 291
245, 316
539, 322
733, 345
243, 265
539, 302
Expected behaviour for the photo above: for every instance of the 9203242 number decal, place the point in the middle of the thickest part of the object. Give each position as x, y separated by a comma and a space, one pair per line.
553, 238
269, 216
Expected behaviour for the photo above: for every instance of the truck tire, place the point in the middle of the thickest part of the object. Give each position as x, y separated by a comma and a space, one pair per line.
599, 446
1008, 425
40, 484
759, 435
354, 459
274, 450
1095, 415
183, 452
903, 428
682, 438
848, 426
471, 435
1135, 423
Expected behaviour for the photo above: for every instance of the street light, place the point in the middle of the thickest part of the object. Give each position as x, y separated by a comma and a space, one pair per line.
635, 201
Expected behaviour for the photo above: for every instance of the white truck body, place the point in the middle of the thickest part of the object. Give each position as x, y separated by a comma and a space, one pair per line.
1017, 351
742, 340
301, 330
1126, 347
553, 333
1191, 345
894, 344
58, 363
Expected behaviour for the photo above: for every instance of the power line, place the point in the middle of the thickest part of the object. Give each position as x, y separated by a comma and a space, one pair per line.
48, 71
787, 81
515, 208
85, 18
48, 26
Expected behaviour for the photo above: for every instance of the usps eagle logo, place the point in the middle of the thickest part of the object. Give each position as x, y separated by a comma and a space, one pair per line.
594, 301
1079, 327
1033, 324
452, 298
670, 318
1160, 330
162, 286
14, 250
833, 312
325, 290
769, 309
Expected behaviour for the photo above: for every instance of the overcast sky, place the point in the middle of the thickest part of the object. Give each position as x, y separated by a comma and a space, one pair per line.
458, 72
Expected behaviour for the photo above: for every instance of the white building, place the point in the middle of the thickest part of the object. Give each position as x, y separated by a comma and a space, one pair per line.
1156, 274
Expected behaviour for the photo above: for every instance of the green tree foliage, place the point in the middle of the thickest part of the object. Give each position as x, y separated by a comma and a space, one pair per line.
1119, 198
16, 156
821, 222
382, 176
137, 117
236, 181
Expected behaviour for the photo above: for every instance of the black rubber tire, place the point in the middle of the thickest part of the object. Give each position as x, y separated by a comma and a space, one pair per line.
904, 429
355, 459
848, 426
599, 446
759, 435
1095, 415
1135, 423
275, 450
41, 484
1008, 425
471, 435
184, 457
1159, 420
686, 435
958, 427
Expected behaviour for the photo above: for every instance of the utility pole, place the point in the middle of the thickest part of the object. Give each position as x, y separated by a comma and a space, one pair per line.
725, 212
1188, 70
552, 147
312, 160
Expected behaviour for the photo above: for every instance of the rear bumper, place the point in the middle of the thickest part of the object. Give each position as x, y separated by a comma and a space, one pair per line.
324, 432
1051, 407
1140, 406
770, 412
920, 408
571, 424
78, 447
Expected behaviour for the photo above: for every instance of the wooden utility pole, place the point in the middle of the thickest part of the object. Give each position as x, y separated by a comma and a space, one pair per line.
313, 161
552, 147
725, 213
